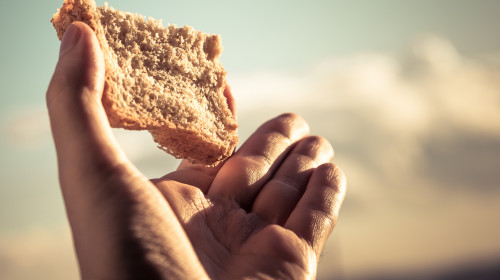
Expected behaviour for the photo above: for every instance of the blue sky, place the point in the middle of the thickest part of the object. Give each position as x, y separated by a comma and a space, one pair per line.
284, 35
407, 92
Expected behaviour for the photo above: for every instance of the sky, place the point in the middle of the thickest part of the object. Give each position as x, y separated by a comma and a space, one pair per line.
407, 92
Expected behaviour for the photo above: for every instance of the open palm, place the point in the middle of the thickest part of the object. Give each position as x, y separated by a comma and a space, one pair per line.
264, 213
267, 210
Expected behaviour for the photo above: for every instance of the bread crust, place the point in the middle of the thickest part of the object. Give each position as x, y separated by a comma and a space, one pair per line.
197, 139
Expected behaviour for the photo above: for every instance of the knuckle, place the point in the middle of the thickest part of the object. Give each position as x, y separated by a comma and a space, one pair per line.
290, 120
334, 177
317, 141
290, 116
316, 147
288, 124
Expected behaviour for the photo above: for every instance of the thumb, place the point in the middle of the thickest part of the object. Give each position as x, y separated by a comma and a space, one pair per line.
117, 216
80, 128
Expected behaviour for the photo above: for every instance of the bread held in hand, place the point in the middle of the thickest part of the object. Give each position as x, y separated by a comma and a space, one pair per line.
166, 80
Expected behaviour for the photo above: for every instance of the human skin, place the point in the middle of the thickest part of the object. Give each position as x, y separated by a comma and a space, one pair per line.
264, 213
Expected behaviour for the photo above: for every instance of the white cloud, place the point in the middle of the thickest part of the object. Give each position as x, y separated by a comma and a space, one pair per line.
26, 127
37, 253
396, 101
432, 82
412, 132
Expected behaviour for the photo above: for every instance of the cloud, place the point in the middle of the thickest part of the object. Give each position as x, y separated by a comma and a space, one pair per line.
37, 253
418, 135
28, 128
374, 104
25, 127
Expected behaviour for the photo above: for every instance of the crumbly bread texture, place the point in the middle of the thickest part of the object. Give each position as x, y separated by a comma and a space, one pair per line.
167, 80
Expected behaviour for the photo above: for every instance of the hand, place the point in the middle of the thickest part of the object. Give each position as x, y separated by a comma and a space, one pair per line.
266, 212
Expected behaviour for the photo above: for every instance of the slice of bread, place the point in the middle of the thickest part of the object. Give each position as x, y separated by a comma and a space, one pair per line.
167, 80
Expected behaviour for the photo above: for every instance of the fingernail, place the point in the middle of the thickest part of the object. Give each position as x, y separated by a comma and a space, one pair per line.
70, 39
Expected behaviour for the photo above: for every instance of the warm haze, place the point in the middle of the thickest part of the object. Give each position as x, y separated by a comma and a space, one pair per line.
407, 92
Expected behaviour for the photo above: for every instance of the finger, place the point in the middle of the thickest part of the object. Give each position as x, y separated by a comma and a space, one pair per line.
316, 213
79, 124
280, 195
109, 203
243, 175
91, 164
88, 156
230, 99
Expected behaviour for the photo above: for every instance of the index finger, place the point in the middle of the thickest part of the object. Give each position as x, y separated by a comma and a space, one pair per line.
243, 175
